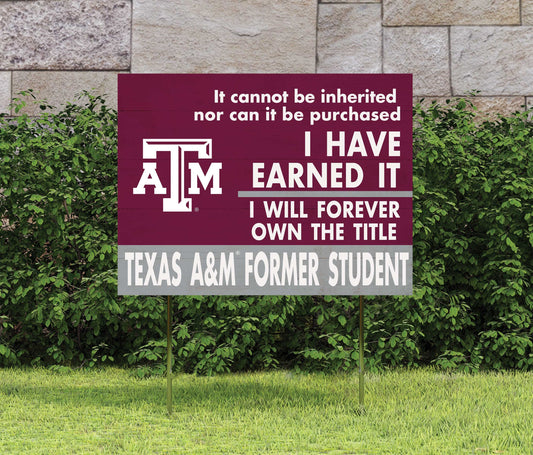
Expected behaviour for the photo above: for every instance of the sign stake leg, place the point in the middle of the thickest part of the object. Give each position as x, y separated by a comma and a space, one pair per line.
361, 358
169, 356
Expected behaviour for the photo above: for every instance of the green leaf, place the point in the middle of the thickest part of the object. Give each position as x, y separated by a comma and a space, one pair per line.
511, 244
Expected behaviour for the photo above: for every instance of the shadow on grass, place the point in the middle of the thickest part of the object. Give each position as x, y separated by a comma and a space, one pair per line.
236, 392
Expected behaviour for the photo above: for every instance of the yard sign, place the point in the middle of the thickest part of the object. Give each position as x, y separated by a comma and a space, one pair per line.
265, 184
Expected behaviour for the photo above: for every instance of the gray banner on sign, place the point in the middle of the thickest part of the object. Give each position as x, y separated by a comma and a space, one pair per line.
265, 270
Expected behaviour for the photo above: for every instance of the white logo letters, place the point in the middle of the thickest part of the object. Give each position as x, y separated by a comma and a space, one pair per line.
178, 202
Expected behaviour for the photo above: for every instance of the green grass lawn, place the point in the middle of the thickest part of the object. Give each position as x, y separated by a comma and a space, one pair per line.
407, 412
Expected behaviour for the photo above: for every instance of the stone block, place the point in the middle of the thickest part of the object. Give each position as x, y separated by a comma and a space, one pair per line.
451, 12
73, 34
350, 1
488, 107
5, 91
60, 87
349, 38
422, 51
206, 36
527, 12
493, 60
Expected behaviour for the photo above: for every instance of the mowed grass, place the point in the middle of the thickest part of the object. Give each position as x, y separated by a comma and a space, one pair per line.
407, 412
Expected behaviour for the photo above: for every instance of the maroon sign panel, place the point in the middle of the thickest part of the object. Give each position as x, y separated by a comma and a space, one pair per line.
265, 184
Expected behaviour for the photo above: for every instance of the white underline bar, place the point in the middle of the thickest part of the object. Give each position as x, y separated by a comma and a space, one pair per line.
325, 194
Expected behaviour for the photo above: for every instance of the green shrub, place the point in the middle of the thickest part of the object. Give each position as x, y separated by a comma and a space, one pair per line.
58, 293
472, 305
473, 237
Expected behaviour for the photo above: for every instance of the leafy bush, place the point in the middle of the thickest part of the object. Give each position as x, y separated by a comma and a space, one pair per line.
58, 240
473, 237
472, 305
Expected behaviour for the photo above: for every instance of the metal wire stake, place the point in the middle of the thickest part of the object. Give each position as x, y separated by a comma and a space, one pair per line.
361, 357
169, 356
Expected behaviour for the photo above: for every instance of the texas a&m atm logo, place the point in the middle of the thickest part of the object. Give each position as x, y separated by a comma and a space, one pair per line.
178, 201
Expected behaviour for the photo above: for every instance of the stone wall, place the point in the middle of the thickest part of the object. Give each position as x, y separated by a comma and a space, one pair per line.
453, 47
